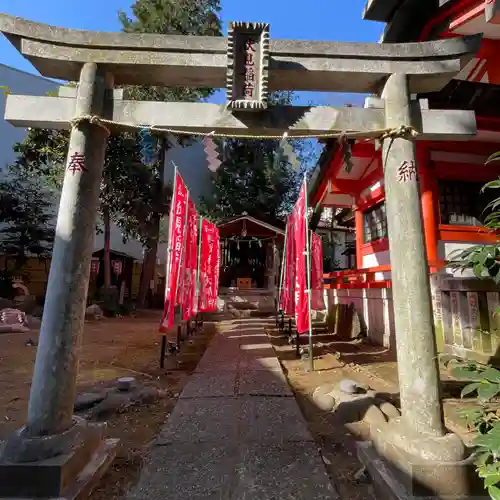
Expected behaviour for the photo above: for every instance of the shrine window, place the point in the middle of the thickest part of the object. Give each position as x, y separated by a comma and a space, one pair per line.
463, 203
375, 223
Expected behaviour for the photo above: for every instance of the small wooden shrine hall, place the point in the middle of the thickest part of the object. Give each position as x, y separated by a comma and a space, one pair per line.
250, 253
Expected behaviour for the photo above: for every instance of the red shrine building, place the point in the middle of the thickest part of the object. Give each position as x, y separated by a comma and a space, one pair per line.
349, 175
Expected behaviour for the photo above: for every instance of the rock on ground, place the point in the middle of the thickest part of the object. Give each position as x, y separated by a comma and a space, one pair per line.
94, 312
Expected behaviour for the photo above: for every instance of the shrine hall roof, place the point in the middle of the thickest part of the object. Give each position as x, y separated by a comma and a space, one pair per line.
405, 19
254, 226
483, 98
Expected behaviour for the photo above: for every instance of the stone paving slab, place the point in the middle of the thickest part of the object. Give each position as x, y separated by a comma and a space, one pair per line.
236, 432
210, 385
255, 339
256, 364
257, 350
287, 471
202, 420
220, 348
187, 471
272, 419
216, 364
263, 383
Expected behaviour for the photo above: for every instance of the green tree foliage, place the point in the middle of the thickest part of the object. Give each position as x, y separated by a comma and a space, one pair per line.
249, 181
484, 260
255, 179
483, 419
168, 17
172, 17
133, 194
26, 218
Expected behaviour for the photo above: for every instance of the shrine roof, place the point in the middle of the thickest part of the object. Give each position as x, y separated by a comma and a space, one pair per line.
100, 251
418, 20
253, 227
405, 19
483, 98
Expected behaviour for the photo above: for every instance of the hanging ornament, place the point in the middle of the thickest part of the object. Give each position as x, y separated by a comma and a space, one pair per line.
287, 153
237, 245
172, 140
212, 154
146, 142
260, 243
290, 156
345, 147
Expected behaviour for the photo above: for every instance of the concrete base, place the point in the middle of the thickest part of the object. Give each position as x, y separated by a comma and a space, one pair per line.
390, 483
404, 465
67, 476
257, 299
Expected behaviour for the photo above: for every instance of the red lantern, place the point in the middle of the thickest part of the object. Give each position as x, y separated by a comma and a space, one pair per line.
94, 267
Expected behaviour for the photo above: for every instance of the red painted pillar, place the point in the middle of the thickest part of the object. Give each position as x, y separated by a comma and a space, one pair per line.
358, 219
430, 202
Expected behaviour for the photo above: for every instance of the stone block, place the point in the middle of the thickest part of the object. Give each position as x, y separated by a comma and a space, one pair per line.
324, 402
28, 304
33, 322
201, 421
209, 385
349, 323
270, 364
94, 312
263, 383
194, 471
87, 400
272, 419
260, 473
405, 479
69, 475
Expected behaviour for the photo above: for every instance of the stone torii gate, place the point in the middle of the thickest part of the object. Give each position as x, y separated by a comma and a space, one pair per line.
250, 64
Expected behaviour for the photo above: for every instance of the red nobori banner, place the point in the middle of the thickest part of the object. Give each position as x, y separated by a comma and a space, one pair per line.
176, 244
216, 270
189, 307
301, 299
287, 299
209, 267
317, 297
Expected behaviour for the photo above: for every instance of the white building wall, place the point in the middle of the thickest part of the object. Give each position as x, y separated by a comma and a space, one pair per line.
190, 160
375, 308
447, 250
193, 167
18, 82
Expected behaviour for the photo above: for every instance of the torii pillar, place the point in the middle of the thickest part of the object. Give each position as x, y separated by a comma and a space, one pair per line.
432, 460
48, 457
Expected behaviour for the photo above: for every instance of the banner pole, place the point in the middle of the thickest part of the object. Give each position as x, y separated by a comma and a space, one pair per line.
182, 259
308, 270
198, 268
170, 226
283, 263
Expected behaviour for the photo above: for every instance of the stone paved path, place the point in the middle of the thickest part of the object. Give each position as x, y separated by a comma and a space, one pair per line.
236, 432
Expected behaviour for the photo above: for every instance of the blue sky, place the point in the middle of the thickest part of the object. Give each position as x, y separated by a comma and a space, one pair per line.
298, 19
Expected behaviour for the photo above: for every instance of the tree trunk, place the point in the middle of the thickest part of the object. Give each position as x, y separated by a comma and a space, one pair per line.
149, 262
148, 268
107, 248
